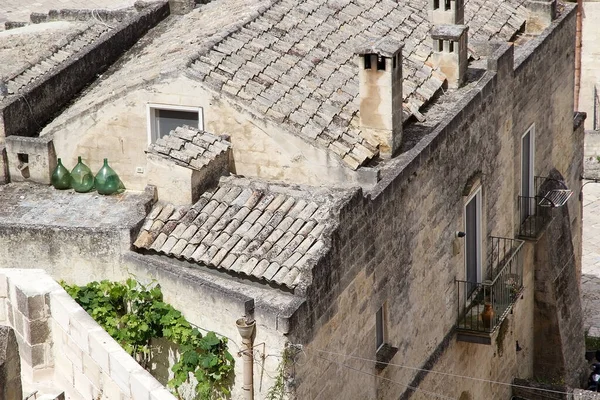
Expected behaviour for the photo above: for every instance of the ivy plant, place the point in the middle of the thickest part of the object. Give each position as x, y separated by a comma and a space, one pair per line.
133, 314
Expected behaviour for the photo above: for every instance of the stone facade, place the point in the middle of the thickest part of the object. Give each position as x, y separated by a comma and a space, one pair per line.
411, 261
386, 269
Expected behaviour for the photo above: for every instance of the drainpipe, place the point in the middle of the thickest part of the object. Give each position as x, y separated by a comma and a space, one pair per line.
246, 330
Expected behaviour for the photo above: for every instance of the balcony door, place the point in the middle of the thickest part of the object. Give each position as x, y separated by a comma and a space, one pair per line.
527, 180
473, 239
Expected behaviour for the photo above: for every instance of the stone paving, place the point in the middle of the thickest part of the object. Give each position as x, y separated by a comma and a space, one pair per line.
590, 279
19, 10
27, 204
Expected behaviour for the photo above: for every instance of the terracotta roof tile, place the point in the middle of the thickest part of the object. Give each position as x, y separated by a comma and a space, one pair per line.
290, 62
247, 227
190, 147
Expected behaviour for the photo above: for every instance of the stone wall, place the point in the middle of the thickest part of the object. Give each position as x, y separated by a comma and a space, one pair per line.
118, 126
23, 117
10, 364
62, 346
397, 245
78, 255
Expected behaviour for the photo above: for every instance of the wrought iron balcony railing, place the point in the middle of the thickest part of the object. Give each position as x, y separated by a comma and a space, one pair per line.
533, 218
482, 306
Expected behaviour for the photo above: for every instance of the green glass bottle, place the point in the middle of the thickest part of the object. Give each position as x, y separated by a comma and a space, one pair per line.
61, 178
82, 179
107, 180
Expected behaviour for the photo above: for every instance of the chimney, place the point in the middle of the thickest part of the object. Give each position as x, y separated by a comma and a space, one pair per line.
380, 77
450, 52
446, 12
541, 14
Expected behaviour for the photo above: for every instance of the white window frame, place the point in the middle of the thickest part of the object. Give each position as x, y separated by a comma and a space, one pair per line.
531, 131
477, 195
151, 116
380, 327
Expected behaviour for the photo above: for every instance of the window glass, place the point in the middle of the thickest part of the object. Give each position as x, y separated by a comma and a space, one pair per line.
167, 120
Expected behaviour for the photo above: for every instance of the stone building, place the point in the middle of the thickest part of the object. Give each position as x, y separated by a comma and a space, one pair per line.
383, 186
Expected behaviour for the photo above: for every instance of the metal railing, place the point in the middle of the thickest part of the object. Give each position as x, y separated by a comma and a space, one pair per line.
482, 306
533, 218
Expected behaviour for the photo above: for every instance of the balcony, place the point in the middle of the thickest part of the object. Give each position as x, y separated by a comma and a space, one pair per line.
536, 212
482, 306
533, 217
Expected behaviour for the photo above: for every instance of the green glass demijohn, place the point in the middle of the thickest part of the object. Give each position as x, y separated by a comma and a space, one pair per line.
61, 178
107, 180
82, 179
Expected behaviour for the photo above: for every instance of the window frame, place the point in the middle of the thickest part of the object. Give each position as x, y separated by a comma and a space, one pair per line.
380, 330
477, 195
151, 117
531, 172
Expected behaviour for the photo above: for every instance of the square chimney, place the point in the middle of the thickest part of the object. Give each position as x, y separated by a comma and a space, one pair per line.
450, 52
443, 12
380, 77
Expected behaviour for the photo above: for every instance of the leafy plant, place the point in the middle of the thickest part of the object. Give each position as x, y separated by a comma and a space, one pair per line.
277, 391
133, 314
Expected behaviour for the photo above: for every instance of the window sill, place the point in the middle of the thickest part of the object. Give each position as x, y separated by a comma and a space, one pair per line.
384, 355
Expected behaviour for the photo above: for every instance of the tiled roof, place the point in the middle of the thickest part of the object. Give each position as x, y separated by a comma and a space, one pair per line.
190, 147
50, 44
295, 63
271, 232
293, 60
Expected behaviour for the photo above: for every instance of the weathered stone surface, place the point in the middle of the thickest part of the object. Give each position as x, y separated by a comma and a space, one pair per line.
246, 226
10, 365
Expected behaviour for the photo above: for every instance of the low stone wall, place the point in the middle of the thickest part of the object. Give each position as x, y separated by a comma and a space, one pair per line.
529, 390
580, 394
60, 343
46, 97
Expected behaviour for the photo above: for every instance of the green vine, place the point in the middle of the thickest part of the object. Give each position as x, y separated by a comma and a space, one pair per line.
277, 391
133, 314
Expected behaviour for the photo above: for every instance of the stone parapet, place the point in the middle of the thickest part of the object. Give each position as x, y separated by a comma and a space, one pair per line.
60, 343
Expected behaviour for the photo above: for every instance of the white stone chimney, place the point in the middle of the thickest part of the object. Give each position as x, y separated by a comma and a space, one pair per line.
443, 12
450, 52
380, 76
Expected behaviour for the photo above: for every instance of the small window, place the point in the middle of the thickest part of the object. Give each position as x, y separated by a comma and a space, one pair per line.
379, 327
367, 59
447, 5
162, 119
451, 46
436, 4
440, 45
380, 63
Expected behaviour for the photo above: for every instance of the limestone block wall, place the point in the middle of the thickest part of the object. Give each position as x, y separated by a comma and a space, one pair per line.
117, 128
78, 255
397, 247
61, 344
